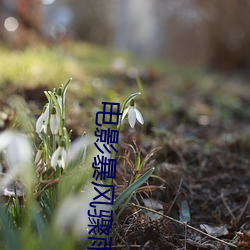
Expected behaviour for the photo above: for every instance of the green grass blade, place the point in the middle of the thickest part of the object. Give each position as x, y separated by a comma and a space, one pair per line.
128, 191
10, 236
122, 208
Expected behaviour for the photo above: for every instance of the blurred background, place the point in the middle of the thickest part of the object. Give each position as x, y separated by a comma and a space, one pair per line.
212, 34
193, 60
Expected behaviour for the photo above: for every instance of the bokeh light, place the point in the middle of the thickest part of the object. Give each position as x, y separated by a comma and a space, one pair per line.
11, 24
48, 2
58, 31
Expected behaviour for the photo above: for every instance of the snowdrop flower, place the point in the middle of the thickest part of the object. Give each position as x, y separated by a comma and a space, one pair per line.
39, 154
42, 122
133, 114
54, 121
72, 214
59, 157
17, 152
59, 97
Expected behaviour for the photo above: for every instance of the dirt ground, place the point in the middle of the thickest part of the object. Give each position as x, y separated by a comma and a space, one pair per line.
200, 136
202, 170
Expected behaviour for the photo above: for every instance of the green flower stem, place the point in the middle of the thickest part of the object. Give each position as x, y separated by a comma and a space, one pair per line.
47, 137
65, 87
66, 138
127, 100
113, 155
53, 142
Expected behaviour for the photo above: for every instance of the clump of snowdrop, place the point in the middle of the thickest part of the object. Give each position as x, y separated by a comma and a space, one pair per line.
52, 153
57, 176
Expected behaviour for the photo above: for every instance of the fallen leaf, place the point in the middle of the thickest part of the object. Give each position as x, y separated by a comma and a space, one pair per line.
185, 212
245, 236
152, 204
155, 205
215, 231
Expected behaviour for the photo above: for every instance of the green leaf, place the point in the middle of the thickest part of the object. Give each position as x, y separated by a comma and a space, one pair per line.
122, 208
10, 236
185, 212
39, 222
129, 190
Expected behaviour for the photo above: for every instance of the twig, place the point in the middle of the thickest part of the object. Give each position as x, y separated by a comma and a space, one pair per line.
227, 207
184, 224
122, 246
239, 217
173, 202
185, 242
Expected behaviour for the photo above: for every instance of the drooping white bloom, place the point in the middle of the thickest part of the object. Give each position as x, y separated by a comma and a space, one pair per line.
59, 157
133, 114
72, 214
17, 152
54, 121
42, 122
59, 99
39, 154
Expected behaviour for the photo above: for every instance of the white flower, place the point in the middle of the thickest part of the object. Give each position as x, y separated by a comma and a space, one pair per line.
54, 121
39, 154
17, 152
133, 114
59, 157
42, 122
72, 215
59, 99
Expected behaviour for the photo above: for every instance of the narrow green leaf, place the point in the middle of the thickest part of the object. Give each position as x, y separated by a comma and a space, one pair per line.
39, 222
65, 87
11, 237
185, 212
129, 190
138, 163
122, 208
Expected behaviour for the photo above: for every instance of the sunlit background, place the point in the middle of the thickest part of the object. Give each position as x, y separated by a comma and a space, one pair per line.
212, 34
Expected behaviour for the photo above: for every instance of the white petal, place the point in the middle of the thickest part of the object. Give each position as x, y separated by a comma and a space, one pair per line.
54, 124
59, 99
63, 158
132, 117
72, 214
44, 127
38, 156
5, 139
124, 113
19, 151
39, 123
19, 158
64, 154
46, 113
55, 156
61, 163
77, 147
139, 116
